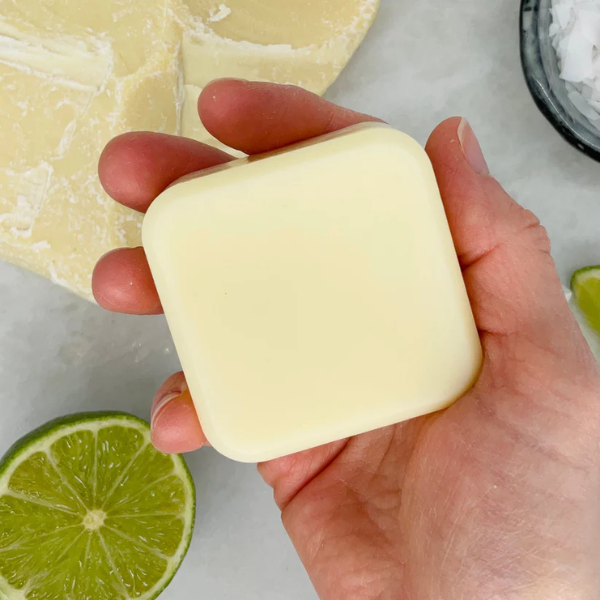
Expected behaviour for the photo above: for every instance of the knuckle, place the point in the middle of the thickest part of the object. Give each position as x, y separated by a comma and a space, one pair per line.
534, 233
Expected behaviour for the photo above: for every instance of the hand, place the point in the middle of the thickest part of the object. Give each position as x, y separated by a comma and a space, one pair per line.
495, 498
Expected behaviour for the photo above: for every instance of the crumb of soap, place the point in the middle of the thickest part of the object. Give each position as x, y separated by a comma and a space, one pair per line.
220, 15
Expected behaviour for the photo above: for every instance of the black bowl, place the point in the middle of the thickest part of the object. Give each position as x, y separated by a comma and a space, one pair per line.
540, 65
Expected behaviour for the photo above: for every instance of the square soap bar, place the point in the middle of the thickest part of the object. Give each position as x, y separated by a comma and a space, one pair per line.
313, 293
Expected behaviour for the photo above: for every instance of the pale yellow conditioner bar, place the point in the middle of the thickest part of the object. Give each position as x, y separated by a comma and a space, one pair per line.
313, 293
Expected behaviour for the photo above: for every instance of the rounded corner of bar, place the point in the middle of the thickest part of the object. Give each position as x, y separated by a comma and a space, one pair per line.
150, 218
472, 373
403, 143
154, 218
412, 145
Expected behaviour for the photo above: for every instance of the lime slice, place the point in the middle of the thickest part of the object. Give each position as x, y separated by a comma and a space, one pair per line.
89, 510
586, 289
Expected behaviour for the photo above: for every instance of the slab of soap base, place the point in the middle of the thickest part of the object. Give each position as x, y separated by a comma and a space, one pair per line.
314, 293
76, 73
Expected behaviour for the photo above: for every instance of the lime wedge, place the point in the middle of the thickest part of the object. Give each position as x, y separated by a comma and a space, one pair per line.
89, 510
586, 290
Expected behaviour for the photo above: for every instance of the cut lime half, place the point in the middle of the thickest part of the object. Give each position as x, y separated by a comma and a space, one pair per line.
586, 290
89, 510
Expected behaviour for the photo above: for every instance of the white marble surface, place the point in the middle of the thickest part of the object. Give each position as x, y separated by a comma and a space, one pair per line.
422, 62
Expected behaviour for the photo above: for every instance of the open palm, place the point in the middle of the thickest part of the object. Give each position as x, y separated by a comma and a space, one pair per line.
495, 497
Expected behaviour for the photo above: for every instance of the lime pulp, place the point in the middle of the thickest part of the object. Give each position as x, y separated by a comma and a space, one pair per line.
89, 510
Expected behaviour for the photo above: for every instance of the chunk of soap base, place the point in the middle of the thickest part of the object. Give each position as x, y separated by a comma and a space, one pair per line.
313, 294
76, 73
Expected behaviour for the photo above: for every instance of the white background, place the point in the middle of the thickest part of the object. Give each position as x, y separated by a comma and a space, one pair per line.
423, 61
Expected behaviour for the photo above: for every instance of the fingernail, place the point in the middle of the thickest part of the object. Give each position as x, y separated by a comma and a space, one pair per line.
163, 398
159, 405
472, 149
219, 79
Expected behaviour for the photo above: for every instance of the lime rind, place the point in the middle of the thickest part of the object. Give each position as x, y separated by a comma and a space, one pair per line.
593, 271
42, 441
58, 425
585, 285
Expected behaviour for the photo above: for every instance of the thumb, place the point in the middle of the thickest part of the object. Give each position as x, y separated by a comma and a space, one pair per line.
503, 250
533, 346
